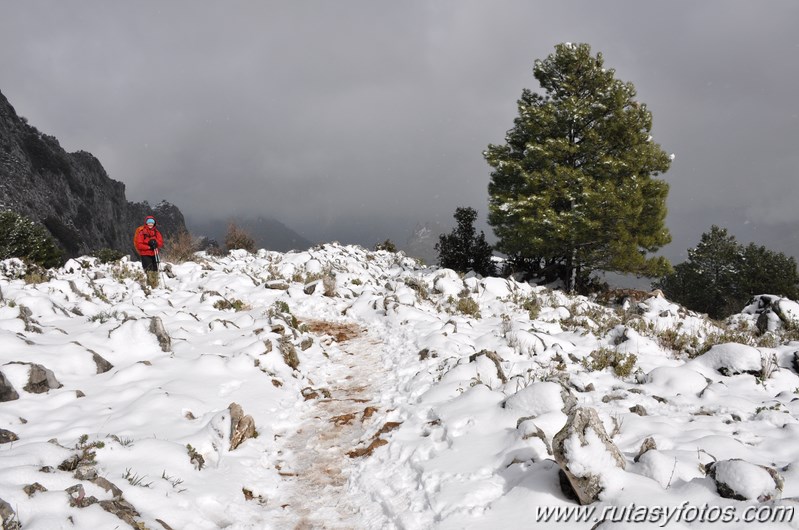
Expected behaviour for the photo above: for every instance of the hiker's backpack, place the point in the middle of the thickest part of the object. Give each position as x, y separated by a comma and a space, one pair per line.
135, 237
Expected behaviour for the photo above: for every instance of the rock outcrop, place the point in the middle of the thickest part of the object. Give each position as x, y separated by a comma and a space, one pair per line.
69, 193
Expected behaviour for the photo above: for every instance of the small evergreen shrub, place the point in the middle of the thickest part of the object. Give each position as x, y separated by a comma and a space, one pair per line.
22, 238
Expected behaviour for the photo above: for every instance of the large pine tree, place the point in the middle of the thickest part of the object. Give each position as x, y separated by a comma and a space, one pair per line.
572, 190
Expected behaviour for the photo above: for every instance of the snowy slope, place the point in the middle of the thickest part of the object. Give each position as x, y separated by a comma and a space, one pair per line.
384, 395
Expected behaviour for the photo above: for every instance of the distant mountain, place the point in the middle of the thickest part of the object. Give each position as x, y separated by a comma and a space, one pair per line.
268, 233
69, 193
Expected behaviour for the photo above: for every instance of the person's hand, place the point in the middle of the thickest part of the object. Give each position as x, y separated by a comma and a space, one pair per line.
153, 244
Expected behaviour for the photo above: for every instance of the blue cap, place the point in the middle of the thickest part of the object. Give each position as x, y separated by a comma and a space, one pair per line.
150, 221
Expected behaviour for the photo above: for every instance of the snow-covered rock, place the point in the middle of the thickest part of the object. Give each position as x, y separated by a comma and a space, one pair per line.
536, 399
773, 312
740, 480
729, 359
586, 454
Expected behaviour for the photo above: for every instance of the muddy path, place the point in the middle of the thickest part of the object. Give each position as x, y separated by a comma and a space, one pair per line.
341, 425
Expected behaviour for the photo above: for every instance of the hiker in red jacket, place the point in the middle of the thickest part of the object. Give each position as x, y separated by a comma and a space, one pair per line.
148, 240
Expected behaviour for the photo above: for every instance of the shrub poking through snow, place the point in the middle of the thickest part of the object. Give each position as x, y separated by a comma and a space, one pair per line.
134, 479
238, 238
606, 358
195, 457
467, 306
35, 275
235, 304
180, 247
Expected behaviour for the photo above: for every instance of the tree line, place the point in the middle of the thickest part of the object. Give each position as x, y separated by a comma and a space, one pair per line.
574, 191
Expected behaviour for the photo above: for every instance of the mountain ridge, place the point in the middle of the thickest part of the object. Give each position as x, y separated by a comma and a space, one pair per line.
71, 194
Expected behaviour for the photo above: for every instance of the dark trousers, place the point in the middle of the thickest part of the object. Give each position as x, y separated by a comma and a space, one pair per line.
148, 263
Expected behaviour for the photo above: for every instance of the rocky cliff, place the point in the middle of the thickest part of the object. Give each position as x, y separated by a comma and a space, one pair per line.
69, 193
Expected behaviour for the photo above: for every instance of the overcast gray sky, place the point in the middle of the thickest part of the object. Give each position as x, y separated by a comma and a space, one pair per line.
354, 120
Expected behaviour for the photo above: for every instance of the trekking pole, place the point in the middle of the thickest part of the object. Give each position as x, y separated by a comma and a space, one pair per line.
158, 266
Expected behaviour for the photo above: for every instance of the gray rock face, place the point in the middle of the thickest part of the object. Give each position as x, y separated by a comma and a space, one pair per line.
584, 433
69, 193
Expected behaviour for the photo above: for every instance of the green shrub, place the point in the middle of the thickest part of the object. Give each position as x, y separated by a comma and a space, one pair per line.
22, 238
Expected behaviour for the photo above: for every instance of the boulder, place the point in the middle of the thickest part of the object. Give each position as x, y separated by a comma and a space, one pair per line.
40, 380
646, 446
585, 453
7, 392
773, 312
7, 436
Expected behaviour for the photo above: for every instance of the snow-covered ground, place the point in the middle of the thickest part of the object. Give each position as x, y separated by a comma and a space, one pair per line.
384, 395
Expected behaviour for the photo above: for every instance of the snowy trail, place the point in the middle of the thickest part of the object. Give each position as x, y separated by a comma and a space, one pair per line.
315, 463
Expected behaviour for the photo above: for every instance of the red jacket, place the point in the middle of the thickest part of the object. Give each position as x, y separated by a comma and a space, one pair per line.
143, 236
